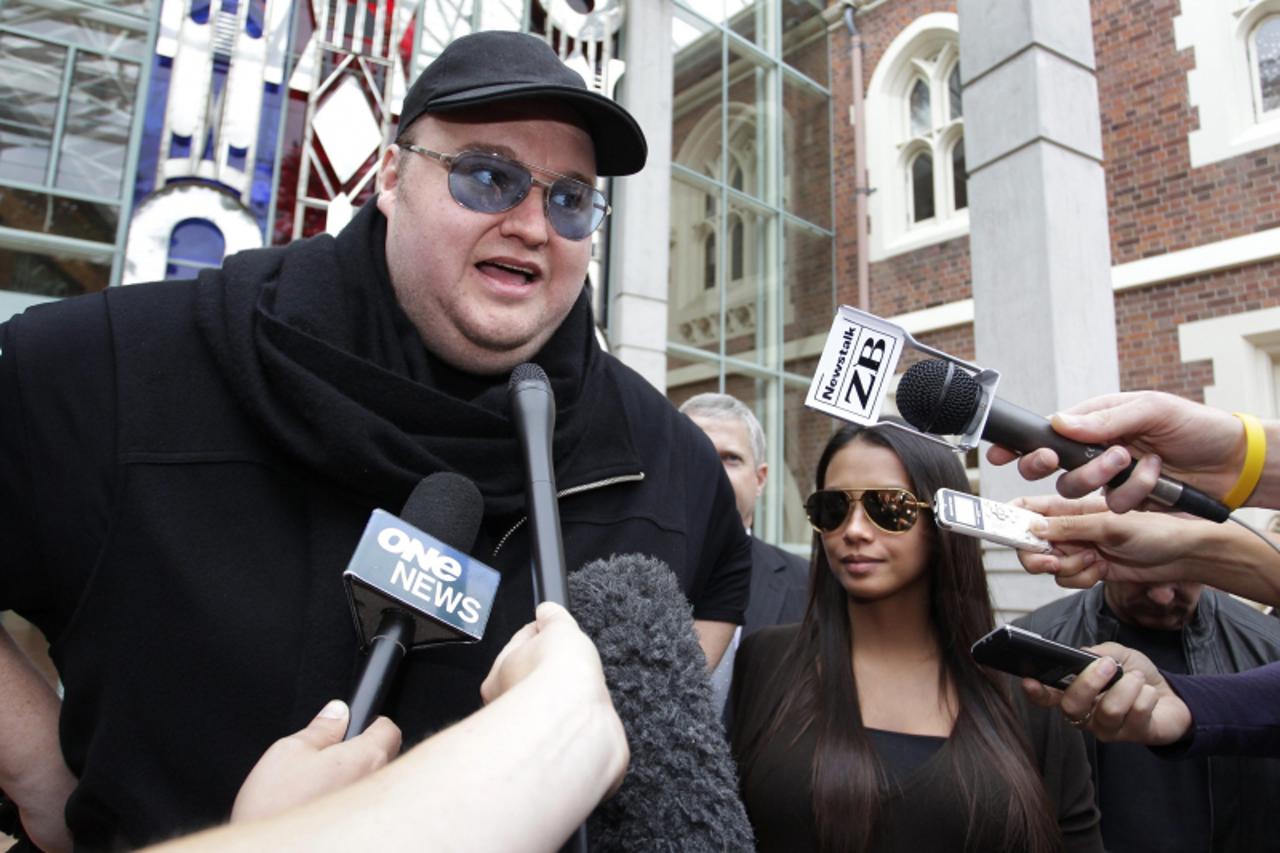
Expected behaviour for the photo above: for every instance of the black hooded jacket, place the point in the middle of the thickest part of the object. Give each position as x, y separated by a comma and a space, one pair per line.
185, 468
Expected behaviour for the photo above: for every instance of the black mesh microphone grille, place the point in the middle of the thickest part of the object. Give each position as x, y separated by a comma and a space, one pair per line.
527, 372
449, 507
931, 404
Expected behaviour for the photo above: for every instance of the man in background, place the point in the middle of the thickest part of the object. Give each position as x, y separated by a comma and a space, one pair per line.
779, 580
1147, 802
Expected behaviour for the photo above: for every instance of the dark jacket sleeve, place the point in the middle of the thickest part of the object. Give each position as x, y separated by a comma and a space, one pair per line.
57, 450
1234, 714
726, 546
1068, 779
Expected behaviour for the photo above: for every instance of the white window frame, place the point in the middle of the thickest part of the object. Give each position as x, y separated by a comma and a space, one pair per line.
927, 49
1223, 85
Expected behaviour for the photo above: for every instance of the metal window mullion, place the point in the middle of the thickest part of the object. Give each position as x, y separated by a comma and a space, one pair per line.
131, 158
721, 205
290, 63
71, 194
17, 238
60, 116
58, 41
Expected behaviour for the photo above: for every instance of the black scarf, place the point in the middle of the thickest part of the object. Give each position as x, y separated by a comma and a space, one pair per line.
318, 351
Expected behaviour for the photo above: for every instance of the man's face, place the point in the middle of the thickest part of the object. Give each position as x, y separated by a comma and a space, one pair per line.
1156, 606
747, 476
485, 290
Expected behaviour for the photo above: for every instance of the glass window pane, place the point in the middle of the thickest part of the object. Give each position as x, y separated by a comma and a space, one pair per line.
84, 26
921, 122
922, 188
52, 275
95, 140
737, 248
749, 326
804, 39
64, 217
751, 19
953, 91
806, 152
693, 311
696, 131
1266, 46
688, 376
959, 180
808, 296
30, 79
752, 122
709, 259
803, 437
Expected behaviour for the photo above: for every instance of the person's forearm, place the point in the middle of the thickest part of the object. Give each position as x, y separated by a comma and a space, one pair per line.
519, 775
1233, 559
1267, 494
32, 770
714, 638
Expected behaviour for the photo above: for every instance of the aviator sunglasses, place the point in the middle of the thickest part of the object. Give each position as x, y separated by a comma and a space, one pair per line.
892, 510
487, 183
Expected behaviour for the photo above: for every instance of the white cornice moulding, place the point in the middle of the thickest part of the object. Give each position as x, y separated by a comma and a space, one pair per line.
1198, 260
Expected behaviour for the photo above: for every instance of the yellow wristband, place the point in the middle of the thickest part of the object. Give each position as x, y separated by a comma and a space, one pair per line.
1255, 454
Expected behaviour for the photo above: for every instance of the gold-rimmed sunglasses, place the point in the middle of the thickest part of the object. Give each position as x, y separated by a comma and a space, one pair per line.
893, 510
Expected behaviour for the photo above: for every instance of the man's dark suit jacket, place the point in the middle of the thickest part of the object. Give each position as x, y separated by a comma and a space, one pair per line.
779, 587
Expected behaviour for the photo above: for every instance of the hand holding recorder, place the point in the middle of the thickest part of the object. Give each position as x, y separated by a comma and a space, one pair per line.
1139, 707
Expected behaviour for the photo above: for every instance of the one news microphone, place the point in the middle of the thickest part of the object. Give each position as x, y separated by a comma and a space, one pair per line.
936, 397
533, 408
681, 790
410, 583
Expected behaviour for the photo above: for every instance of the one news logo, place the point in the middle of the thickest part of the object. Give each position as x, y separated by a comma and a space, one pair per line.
428, 574
853, 372
450, 593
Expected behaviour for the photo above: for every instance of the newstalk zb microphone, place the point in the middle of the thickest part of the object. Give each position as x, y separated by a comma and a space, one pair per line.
410, 583
936, 397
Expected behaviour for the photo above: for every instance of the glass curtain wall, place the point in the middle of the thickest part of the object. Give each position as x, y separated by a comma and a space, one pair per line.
71, 74
751, 291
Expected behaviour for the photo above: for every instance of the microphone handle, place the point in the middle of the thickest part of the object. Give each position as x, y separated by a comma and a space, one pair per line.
1022, 430
386, 650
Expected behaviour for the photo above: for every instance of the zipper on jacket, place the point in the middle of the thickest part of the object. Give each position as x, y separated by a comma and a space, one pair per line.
564, 493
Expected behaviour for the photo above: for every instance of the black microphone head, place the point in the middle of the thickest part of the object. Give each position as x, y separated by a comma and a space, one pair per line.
527, 372
935, 396
681, 791
448, 506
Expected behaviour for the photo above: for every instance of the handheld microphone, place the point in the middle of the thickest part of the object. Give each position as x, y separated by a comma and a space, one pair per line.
410, 583
533, 407
936, 397
681, 791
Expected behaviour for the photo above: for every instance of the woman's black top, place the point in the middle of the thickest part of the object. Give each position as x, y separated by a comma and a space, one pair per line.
922, 809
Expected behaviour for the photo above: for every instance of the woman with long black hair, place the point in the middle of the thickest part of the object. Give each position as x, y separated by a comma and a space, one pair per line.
869, 726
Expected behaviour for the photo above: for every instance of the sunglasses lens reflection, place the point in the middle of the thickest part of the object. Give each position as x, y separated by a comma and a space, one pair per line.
489, 184
892, 510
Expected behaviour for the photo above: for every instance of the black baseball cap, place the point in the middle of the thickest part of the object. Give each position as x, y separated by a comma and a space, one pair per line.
493, 66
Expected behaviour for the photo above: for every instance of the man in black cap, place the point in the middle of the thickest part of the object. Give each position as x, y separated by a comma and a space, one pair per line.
185, 468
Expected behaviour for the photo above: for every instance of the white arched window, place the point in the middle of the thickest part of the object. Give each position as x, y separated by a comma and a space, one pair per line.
1264, 63
1235, 83
915, 140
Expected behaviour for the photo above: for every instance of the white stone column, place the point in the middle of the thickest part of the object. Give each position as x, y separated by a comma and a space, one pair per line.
642, 203
1039, 243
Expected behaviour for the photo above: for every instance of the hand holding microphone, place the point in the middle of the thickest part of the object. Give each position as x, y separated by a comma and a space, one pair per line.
936, 397
313, 762
1199, 444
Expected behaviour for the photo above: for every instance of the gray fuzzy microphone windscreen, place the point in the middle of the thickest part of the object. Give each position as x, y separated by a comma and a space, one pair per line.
681, 791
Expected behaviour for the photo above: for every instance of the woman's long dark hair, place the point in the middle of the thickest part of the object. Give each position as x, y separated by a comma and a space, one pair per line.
989, 750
